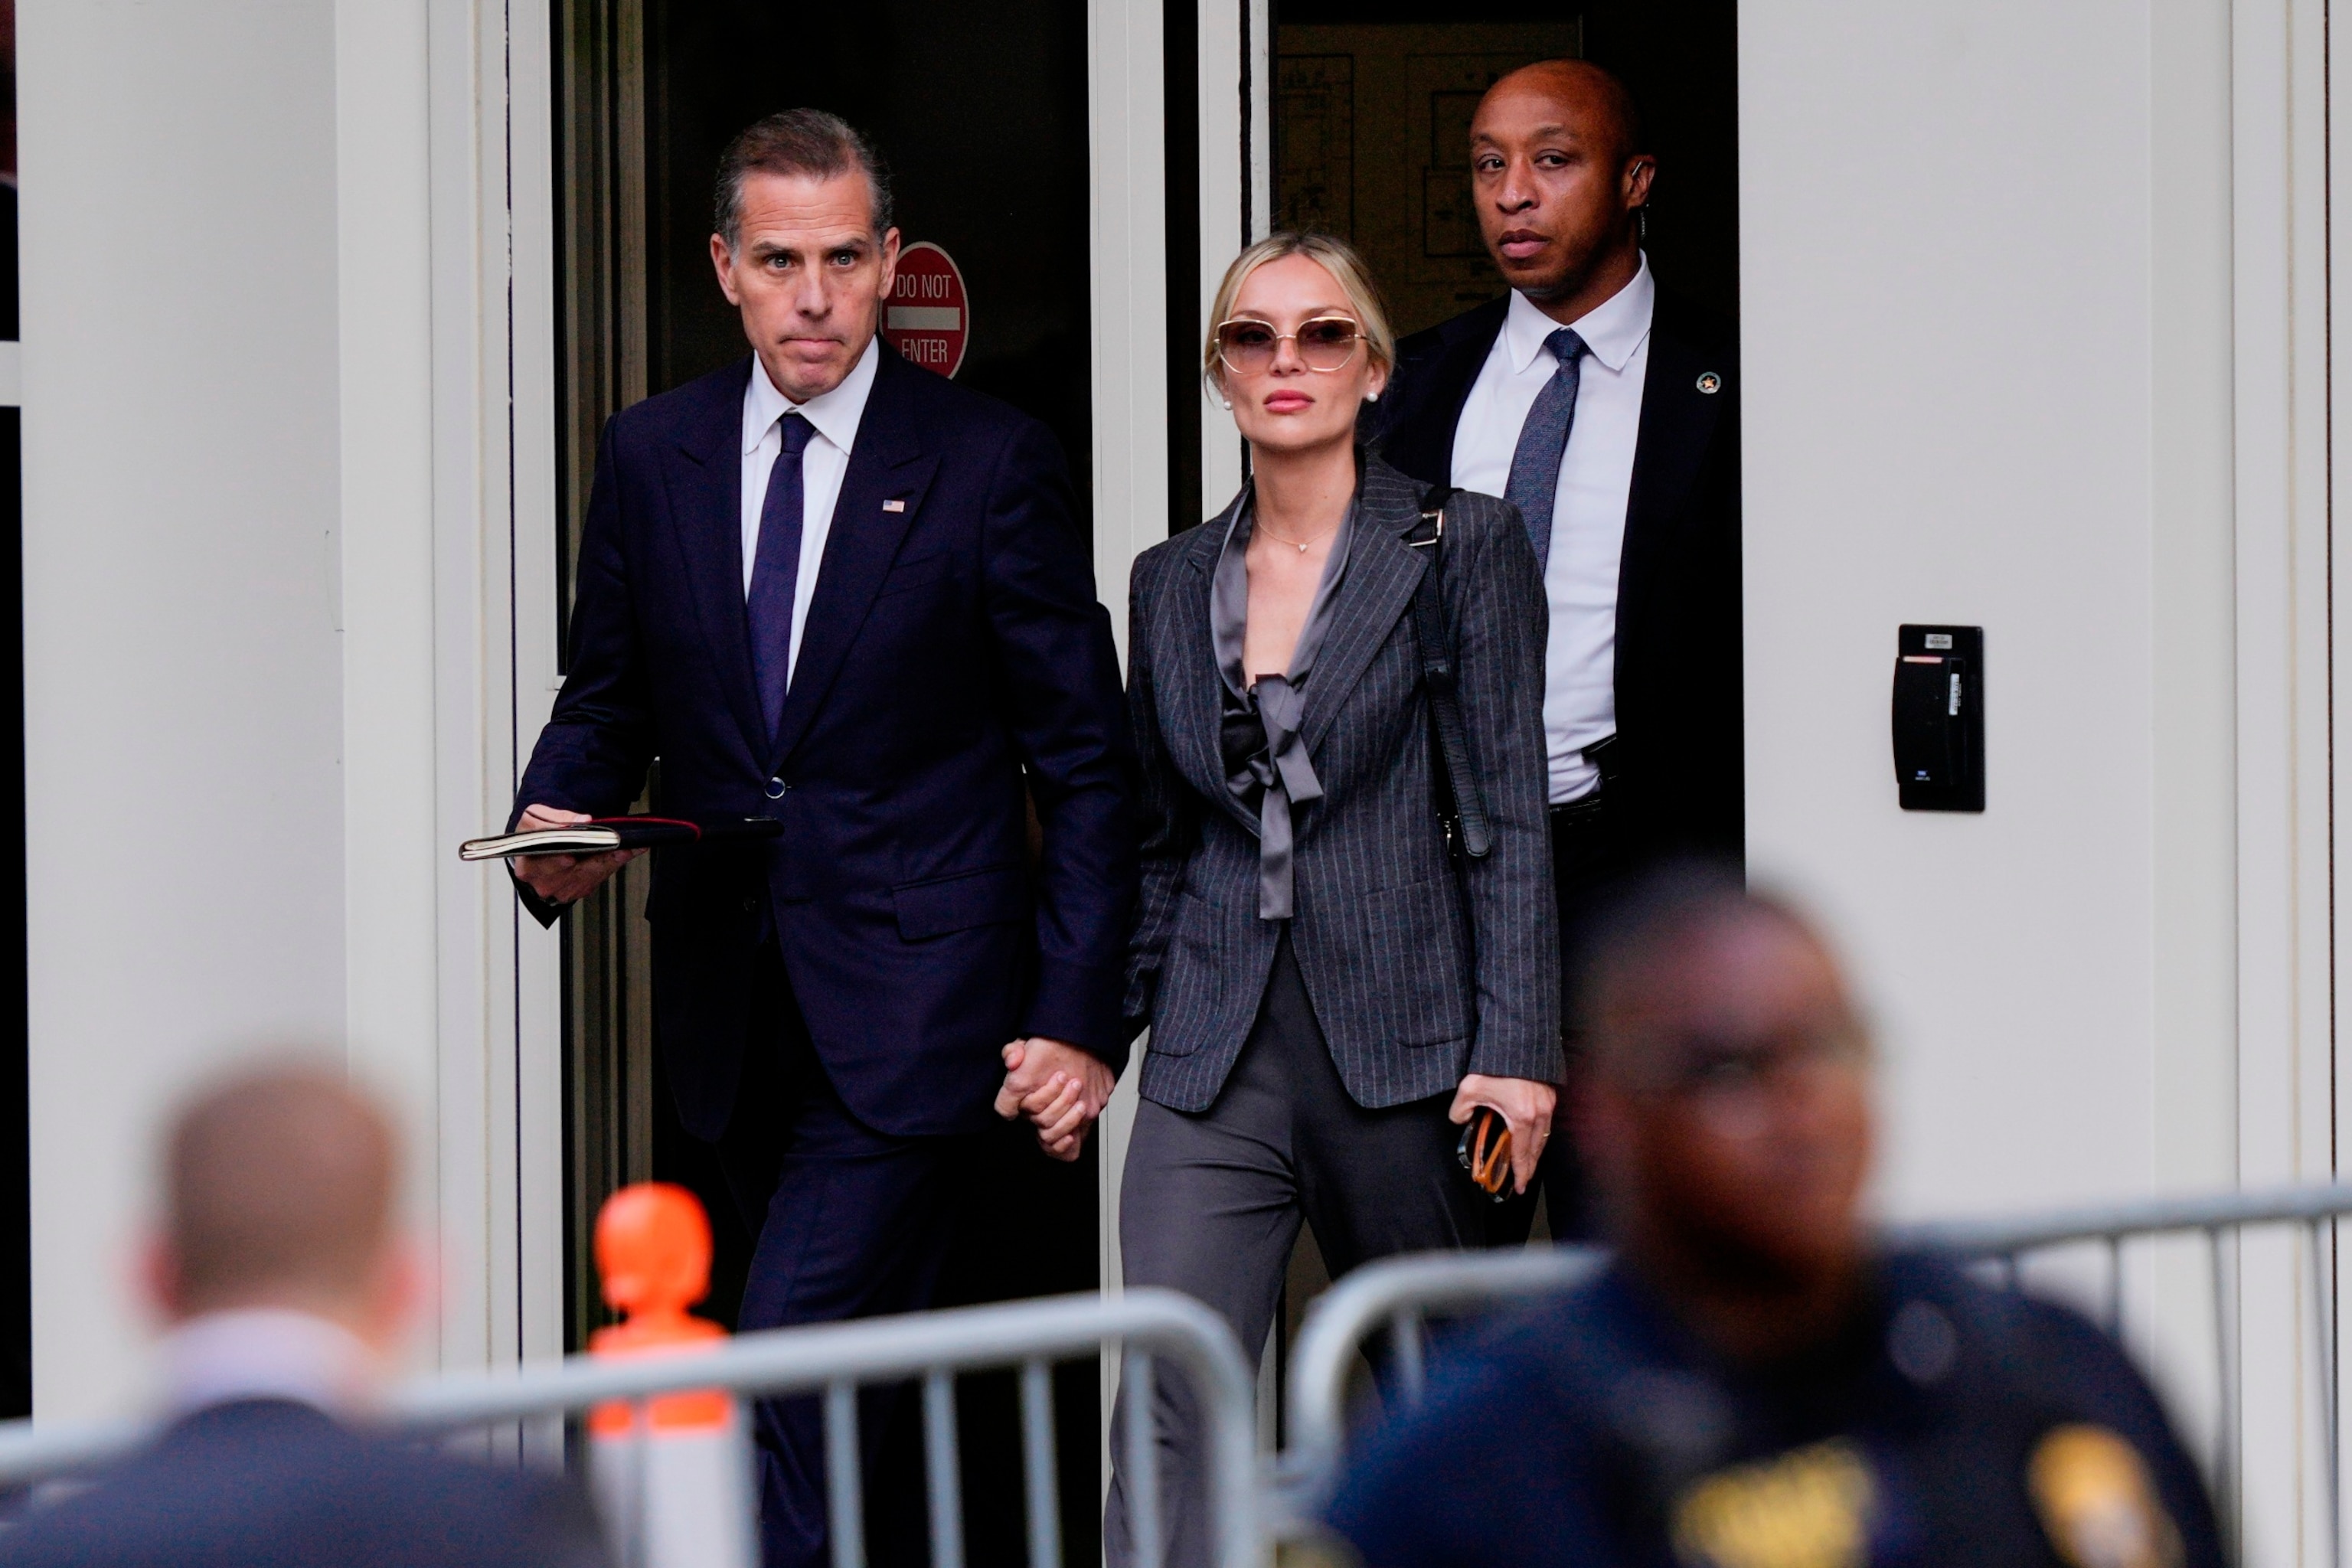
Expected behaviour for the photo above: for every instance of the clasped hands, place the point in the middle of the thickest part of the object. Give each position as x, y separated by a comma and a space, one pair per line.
1060, 1087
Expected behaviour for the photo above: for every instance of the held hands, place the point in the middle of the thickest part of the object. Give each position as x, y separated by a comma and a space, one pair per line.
564, 878
1523, 1102
1060, 1087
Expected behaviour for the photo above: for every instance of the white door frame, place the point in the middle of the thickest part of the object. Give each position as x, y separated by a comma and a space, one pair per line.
451, 634
1126, 97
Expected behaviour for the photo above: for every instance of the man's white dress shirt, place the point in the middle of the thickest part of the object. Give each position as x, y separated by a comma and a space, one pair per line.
1587, 518
265, 1353
824, 463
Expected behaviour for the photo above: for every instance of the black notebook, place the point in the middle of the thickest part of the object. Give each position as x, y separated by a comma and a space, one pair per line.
600, 834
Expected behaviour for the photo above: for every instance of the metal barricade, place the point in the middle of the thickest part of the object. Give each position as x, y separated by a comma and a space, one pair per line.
1399, 1295
833, 1361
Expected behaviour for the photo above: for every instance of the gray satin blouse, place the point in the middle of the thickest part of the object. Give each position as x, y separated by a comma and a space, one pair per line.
1266, 766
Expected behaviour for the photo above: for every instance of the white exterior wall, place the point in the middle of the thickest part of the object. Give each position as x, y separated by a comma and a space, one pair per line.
183, 671
2033, 315
271, 635
1950, 271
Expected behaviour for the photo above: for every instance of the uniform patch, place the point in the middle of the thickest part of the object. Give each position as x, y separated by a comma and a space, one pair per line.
2098, 1503
1809, 1508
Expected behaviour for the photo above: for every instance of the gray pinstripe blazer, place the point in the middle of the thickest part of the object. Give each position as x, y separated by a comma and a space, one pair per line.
1420, 970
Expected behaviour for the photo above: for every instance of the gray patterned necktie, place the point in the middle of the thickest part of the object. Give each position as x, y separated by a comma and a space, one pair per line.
1534, 465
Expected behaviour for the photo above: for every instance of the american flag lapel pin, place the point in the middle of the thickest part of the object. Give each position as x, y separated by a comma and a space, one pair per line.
894, 506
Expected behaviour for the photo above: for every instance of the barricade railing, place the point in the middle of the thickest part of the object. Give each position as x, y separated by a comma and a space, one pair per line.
833, 1362
1399, 1296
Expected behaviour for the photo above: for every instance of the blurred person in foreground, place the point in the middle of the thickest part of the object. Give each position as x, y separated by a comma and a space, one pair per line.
289, 1292
1753, 1380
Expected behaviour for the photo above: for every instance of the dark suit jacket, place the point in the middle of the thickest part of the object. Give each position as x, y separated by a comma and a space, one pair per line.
951, 647
1678, 612
1420, 970
270, 1483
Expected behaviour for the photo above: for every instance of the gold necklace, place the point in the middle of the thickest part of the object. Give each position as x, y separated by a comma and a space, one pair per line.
1278, 539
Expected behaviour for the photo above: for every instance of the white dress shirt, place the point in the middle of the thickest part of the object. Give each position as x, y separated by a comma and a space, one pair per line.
1588, 515
266, 1352
823, 462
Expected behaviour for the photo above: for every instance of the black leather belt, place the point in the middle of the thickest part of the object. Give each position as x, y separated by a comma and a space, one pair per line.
1591, 805
1584, 811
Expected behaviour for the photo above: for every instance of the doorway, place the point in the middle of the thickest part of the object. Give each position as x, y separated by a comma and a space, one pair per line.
982, 115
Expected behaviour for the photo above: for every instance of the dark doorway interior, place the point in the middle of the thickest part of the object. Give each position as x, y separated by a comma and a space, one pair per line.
982, 114
1371, 111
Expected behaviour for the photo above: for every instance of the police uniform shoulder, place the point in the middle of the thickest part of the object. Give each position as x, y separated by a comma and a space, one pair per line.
1939, 1315
2103, 1455
1572, 1344
1493, 1424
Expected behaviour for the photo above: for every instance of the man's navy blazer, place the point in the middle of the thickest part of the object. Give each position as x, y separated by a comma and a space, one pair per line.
952, 648
267, 1483
1680, 754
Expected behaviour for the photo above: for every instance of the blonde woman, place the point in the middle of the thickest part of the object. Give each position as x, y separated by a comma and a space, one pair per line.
1338, 960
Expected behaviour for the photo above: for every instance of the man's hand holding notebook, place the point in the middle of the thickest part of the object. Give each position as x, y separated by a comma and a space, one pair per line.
562, 855
559, 877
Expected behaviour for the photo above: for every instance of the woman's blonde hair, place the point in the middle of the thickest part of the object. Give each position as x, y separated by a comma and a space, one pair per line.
1336, 257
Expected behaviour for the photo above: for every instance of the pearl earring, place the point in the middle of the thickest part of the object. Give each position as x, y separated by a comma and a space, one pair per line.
1226, 402
1375, 397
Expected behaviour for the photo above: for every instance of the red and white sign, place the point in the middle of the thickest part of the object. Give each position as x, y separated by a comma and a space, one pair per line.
926, 317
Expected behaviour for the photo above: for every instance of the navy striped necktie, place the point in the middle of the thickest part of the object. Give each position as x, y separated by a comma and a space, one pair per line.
1534, 484
776, 570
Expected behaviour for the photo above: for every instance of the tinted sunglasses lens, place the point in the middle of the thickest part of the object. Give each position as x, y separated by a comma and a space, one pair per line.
1246, 345
1327, 344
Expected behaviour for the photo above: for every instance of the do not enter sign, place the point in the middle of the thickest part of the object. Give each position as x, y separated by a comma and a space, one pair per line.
927, 318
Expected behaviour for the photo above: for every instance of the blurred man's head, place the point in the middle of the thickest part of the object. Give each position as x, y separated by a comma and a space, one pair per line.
1558, 167
1725, 1098
279, 1190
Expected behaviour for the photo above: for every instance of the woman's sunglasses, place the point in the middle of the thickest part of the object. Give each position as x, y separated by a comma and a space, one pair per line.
1485, 1153
1326, 344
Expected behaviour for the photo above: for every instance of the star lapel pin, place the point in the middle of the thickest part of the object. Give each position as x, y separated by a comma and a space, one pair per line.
1710, 381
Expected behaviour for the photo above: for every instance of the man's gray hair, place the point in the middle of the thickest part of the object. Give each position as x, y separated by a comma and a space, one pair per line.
808, 143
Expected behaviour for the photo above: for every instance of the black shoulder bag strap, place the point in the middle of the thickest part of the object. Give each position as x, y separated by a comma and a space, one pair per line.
1467, 828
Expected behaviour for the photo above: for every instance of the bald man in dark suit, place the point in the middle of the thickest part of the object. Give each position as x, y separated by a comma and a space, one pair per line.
1607, 409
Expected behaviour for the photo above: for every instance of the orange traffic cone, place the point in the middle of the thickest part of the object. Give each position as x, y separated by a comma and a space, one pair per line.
673, 1476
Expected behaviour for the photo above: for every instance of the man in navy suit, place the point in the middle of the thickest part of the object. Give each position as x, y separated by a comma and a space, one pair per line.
289, 1290
1606, 408
825, 585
